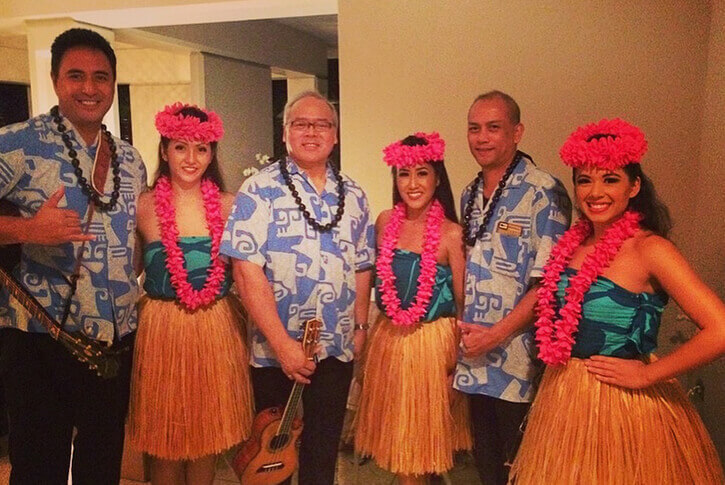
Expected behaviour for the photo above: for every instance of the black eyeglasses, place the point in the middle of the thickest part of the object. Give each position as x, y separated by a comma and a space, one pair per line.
304, 125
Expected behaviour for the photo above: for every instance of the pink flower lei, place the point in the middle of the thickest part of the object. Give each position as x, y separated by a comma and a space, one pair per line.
426, 279
166, 214
557, 337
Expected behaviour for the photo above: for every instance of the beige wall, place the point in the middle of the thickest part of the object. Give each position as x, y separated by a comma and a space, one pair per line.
242, 95
566, 64
156, 78
14, 66
706, 228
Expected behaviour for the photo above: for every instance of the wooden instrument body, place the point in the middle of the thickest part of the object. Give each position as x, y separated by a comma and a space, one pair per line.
262, 460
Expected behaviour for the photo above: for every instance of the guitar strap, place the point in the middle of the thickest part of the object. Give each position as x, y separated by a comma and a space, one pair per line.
99, 173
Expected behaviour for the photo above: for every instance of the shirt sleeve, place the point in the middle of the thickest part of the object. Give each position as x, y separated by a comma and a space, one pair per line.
245, 235
365, 244
552, 216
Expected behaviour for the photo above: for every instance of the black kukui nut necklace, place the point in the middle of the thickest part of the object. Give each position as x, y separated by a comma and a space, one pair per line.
468, 236
303, 208
89, 191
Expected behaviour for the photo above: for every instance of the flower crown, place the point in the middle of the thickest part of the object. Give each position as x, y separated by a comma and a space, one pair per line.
402, 155
171, 124
608, 144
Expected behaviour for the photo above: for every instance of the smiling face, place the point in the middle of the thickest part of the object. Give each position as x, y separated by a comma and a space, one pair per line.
188, 160
310, 143
603, 195
492, 135
416, 186
84, 85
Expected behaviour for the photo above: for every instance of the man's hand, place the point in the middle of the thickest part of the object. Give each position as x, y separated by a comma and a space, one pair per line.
295, 364
477, 340
51, 225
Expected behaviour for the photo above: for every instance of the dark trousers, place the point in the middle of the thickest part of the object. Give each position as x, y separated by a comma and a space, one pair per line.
48, 393
323, 402
496, 435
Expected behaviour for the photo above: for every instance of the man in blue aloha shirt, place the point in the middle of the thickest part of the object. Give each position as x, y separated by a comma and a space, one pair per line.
513, 212
45, 171
303, 246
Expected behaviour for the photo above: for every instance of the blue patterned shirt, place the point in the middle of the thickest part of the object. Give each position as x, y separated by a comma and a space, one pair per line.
33, 165
312, 273
534, 210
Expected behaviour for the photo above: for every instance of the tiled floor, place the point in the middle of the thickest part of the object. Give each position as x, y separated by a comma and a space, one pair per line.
347, 472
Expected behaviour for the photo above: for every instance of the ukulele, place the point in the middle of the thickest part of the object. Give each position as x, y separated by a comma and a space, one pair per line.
269, 456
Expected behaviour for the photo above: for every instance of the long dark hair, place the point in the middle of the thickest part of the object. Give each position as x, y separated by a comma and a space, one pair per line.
656, 216
443, 192
212, 172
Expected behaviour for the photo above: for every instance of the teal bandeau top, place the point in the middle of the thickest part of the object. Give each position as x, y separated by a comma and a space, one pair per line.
406, 266
615, 321
197, 251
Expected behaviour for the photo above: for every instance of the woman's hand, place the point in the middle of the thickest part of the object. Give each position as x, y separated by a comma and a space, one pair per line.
628, 373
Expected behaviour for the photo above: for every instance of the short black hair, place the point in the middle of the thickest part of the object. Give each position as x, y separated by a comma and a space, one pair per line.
514, 111
77, 37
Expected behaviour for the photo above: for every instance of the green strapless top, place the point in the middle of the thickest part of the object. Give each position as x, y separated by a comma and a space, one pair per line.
197, 256
615, 321
406, 266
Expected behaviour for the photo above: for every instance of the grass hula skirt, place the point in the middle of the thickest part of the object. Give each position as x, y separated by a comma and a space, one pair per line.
410, 420
580, 431
191, 394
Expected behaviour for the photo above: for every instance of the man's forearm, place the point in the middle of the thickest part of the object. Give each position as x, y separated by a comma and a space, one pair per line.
363, 283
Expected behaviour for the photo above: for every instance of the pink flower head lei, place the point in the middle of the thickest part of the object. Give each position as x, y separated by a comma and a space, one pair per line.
609, 144
400, 155
173, 124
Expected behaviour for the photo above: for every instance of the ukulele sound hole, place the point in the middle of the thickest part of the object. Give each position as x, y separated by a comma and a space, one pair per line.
279, 441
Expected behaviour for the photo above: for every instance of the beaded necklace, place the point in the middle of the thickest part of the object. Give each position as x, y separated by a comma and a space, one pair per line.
82, 181
303, 208
469, 236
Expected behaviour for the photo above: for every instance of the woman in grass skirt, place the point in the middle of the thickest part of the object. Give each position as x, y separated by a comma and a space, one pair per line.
191, 396
607, 411
410, 419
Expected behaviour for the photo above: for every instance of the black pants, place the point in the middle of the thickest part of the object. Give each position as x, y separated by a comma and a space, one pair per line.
496, 435
323, 402
48, 393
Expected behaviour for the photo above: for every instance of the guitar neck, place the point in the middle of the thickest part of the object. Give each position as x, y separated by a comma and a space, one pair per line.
29, 302
290, 410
